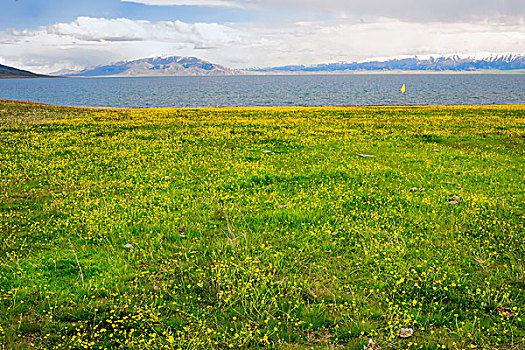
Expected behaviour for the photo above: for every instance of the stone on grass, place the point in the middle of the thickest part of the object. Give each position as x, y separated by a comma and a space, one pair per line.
406, 332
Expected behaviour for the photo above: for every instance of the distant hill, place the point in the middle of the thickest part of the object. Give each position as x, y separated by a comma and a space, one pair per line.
506, 62
10, 72
155, 66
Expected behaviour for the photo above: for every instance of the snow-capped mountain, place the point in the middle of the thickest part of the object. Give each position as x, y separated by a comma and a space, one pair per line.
455, 62
154, 66
176, 65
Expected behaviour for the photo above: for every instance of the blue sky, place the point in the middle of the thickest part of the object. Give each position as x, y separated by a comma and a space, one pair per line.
29, 14
50, 35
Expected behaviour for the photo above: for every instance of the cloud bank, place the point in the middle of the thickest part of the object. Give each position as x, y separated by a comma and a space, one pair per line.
414, 10
124, 29
210, 3
89, 41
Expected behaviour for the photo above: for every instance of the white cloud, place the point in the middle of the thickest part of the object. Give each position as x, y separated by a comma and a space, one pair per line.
92, 41
413, 10
210, 3
124, 29
342, 40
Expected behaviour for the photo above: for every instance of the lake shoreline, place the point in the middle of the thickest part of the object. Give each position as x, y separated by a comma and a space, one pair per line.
292, 73
36, 103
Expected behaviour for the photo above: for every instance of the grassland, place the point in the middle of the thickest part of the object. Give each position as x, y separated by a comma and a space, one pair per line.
262, 228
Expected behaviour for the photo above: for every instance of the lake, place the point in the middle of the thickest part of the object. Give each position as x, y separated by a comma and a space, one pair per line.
267, 90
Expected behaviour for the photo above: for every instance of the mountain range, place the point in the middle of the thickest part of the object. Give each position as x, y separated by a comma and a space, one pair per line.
505, 62
153, 66
176, 66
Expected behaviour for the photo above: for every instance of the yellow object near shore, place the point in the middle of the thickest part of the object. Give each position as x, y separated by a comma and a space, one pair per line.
403, 89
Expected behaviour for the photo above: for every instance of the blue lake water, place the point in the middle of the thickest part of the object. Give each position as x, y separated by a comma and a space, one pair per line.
289, 90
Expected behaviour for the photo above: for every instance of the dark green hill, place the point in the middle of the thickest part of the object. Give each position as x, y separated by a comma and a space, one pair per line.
10, 72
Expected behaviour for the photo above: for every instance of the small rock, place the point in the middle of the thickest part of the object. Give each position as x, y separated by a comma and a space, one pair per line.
414, 189
453, 199
435, 150
505, 312
267, 151
371, 345
406, 332
283, 206
367, 155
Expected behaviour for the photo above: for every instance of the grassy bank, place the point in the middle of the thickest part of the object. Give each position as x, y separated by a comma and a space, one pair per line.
262, 227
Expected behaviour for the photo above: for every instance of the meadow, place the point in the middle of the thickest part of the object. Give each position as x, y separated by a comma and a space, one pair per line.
288, 228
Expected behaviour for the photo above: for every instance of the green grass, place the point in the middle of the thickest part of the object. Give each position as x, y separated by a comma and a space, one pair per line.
172, 228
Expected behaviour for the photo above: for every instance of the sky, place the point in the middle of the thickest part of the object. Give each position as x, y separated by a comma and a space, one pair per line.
46, 36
